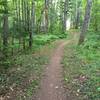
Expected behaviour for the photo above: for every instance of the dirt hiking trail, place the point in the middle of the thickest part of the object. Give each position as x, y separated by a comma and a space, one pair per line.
51, 87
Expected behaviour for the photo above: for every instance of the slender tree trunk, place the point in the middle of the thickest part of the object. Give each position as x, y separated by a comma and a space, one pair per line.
40, 21
23, 23
86, 21
12, 51
46, 15
65, 14
51, 16
19, 21
65, 17
33, 17
5, 29
77, 17
32, 24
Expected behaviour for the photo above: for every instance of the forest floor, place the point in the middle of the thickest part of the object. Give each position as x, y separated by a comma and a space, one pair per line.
52, 85
21, 82
53, 73
47, 63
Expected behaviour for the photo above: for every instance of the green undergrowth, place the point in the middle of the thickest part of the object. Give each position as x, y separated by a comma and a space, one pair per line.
25, 73
27, 70
47, 38
43, 39
38, 42
90, 49
82, 68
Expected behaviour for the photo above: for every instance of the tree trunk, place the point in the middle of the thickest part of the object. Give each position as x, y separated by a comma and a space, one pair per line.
86, 21
77, 16
46, 16
5, 29
33, 17
65, 14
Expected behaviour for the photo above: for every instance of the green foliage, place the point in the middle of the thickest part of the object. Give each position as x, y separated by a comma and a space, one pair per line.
95, 16
44, 39
89, 52
25, 73
82, 68
38, 42
27, 70
34, 85
61, 35
90, 49
91, 86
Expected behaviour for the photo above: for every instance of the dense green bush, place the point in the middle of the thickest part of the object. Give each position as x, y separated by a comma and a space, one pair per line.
43, 39
90, 49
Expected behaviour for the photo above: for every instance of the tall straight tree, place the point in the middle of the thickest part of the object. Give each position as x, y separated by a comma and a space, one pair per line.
5, 27
77, 19
46, 15
32, 23
86, 21
65, 14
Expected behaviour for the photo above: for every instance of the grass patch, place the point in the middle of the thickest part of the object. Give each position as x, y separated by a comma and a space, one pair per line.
82, 68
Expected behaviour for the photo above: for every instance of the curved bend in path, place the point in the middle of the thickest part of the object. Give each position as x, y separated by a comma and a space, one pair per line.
51, 85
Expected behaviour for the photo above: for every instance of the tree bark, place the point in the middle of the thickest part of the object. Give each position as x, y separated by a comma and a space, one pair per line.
65, 14
46, 15
77, 15
5, 29
86, 21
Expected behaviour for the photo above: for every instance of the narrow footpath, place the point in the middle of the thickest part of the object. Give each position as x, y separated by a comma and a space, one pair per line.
52, 83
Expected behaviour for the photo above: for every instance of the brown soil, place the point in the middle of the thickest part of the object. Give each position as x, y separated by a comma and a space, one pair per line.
52, 83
